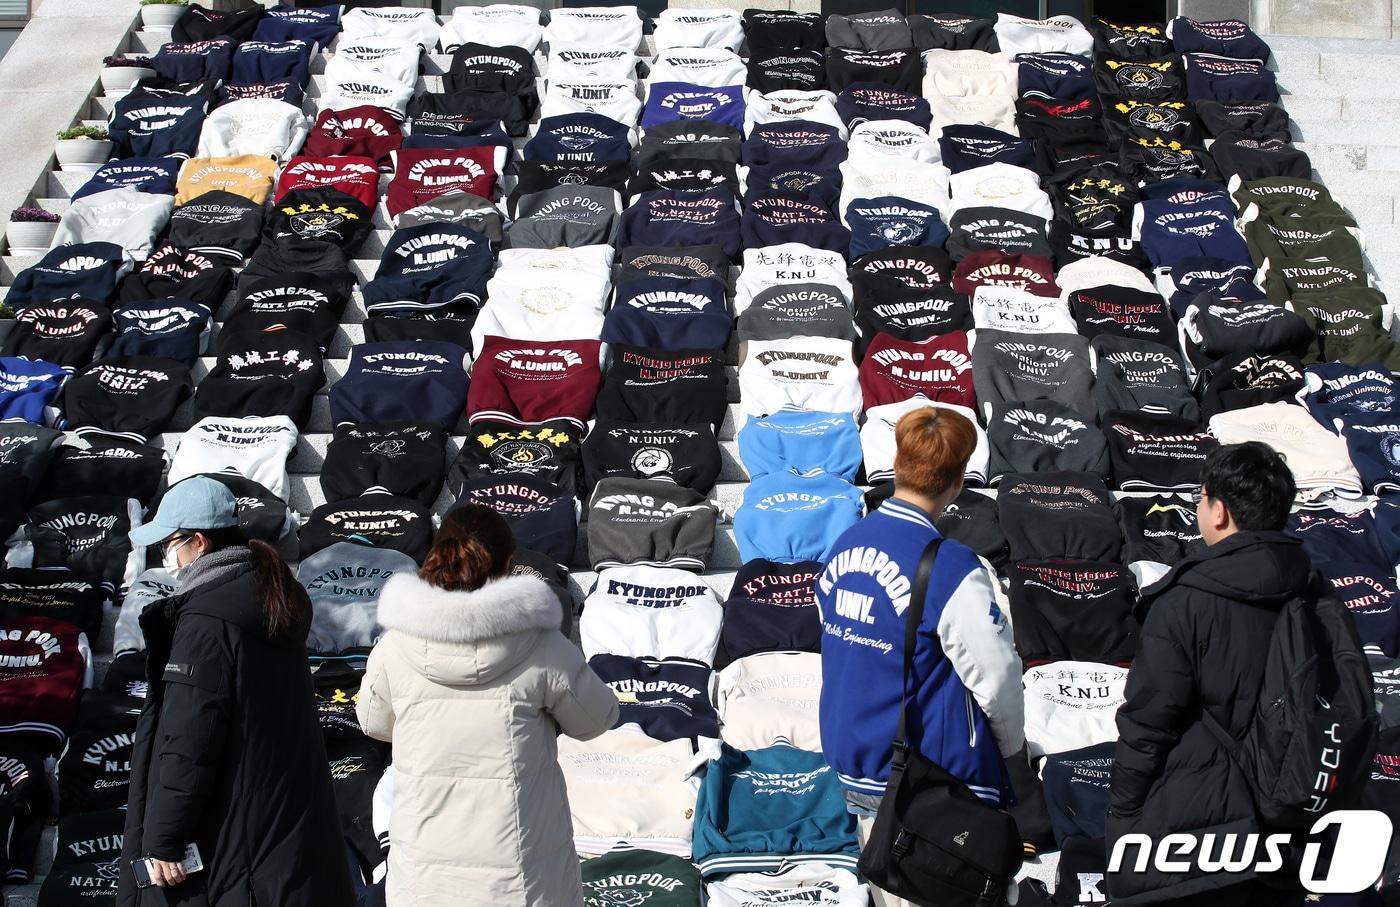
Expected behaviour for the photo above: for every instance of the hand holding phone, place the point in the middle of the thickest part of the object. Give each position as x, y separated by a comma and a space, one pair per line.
165, 874
150, 871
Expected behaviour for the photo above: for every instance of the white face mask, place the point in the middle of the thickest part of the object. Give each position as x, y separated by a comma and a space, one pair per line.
169, 561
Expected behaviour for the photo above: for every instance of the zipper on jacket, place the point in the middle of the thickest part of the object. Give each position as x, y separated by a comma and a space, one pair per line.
971, 720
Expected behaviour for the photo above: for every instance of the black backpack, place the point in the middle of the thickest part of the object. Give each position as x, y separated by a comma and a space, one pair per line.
1308, 747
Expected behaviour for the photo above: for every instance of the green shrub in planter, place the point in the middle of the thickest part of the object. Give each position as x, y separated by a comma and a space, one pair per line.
83, 148
97, 133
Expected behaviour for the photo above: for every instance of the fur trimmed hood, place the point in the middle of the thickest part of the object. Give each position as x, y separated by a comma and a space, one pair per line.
513, 604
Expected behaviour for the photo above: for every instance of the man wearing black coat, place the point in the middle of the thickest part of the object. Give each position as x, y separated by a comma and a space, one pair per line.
1203, 647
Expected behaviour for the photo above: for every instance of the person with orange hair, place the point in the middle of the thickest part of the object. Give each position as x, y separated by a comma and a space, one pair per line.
966, 706
473, 682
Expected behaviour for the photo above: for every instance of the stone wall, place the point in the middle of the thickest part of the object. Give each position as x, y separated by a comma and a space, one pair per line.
1327, 18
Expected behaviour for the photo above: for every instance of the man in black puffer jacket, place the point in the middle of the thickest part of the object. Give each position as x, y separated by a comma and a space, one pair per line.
1203, 647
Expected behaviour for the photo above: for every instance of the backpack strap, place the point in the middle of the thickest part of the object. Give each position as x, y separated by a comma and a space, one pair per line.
1317, 588
913, 617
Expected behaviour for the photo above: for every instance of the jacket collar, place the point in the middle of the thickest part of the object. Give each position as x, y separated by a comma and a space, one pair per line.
903, 510
513, 604
1232, 546
216, 567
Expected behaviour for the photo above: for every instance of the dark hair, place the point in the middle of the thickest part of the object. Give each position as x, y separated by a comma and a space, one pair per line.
1253, 482
273, 579
473, 545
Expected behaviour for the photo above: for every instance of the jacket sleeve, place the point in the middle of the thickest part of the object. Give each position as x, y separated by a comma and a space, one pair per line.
374, 708
583, 705
976, 637
188, 751
1156, 706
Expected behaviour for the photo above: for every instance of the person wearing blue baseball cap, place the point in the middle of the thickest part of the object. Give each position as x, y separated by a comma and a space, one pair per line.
228, 754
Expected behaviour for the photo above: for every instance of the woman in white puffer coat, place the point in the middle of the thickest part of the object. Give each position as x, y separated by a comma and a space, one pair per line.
472, 682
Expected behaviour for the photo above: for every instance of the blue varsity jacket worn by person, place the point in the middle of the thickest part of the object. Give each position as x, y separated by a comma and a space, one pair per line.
967, 708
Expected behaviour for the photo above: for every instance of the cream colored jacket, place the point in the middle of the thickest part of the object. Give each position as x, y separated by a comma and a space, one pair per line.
472, 689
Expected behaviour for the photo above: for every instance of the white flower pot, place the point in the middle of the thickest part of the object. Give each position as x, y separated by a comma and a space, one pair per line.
82, 154
119, 79
161, 15
29, 236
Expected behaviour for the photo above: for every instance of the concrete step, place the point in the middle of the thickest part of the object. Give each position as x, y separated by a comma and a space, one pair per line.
1301, 61
1331, 85
1342, 131
1331, 157
1356, 67
1384, 157
1332, 46
147, 40
1384, 242
1381, 183
1308, 109
1369, 210
1378, 112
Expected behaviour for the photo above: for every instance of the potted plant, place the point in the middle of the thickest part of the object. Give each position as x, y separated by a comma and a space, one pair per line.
83, 148
161, 13
30, 229
122, 71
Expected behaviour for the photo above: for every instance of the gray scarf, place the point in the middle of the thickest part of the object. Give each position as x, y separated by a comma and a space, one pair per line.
214, 567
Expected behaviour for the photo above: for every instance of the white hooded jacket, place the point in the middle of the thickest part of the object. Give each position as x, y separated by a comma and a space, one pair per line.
473, 689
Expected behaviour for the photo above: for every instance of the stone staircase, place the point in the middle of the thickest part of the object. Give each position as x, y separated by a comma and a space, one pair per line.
1343, 97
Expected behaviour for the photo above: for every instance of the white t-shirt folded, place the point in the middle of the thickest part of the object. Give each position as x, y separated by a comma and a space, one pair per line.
596, 26
496, 25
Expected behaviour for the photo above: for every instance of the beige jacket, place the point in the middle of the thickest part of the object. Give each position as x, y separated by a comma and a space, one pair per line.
472, 688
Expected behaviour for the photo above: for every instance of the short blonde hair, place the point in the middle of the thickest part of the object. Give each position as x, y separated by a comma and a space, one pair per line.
932, 447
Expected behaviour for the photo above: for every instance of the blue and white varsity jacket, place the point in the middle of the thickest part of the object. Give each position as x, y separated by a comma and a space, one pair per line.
967, 709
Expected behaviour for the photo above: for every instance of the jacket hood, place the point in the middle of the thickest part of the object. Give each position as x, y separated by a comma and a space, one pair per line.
467, 637
1263, 568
